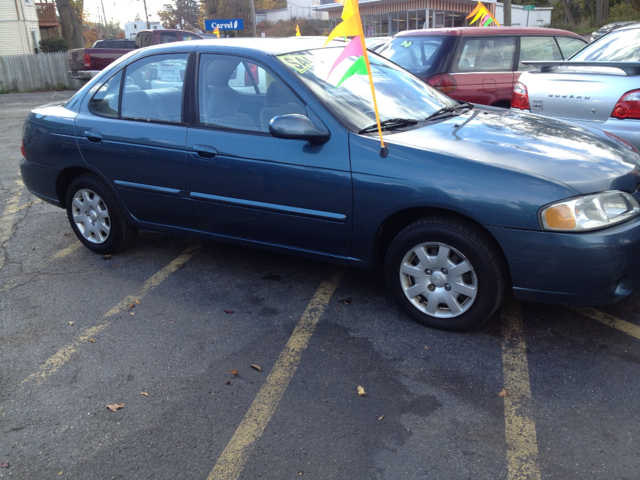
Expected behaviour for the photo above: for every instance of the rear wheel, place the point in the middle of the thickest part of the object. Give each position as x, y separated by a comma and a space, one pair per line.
96, 216
446, 273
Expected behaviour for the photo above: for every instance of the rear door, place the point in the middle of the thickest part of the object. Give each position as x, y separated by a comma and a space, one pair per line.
483, 70
138, 144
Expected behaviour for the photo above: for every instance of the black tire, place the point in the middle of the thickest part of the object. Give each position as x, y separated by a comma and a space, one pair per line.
452, 300
96, 216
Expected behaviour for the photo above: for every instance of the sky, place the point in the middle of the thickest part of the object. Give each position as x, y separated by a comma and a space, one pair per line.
124, 10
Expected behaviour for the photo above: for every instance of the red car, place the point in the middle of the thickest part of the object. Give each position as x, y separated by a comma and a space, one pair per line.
478, 65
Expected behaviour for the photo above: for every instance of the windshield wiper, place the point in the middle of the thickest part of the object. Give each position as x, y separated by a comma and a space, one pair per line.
447, 111
389, 124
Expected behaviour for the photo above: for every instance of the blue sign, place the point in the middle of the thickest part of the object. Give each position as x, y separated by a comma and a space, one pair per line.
227, 24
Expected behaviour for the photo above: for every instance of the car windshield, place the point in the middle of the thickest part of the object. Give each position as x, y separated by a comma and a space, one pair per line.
617, 46
399, 94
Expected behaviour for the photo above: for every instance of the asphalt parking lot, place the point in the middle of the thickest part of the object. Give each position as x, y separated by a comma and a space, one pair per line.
221, 362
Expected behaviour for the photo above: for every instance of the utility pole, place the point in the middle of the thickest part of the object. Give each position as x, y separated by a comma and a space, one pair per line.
506, 9
146, 15
253, 18
104, 16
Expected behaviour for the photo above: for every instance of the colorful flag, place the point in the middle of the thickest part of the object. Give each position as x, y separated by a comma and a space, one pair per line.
481, 11
217, 32
351, 26
297, 31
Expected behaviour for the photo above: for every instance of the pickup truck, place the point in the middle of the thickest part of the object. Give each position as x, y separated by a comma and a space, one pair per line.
86, 63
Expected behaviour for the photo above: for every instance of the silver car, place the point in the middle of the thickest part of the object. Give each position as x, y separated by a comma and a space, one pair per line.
597, 87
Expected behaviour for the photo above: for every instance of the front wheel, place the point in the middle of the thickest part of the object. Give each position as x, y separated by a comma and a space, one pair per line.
446, 273
96, 216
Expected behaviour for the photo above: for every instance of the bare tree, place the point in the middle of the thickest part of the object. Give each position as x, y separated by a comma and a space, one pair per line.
71, 21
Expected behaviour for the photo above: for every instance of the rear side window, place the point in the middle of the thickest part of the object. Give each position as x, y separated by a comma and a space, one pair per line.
189, 36
416, 54
153, 88
569, 46
105, 100
493, 54
537, 48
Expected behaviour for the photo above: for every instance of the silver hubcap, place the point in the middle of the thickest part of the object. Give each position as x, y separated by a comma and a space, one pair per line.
91, 216
438, 280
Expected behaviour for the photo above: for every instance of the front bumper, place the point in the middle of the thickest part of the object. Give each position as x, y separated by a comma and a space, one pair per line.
580, 269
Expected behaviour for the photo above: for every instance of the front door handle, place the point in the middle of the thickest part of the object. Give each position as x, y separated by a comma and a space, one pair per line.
93, 137
204, 151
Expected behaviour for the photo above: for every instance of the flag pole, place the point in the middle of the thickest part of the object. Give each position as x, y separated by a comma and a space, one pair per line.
384, 151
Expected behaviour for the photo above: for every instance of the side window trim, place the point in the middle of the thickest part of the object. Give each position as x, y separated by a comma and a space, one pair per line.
195, 120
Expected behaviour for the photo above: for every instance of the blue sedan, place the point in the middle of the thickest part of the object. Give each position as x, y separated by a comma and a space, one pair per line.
257, 142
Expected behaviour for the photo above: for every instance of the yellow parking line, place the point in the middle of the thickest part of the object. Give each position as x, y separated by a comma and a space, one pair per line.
610, 320
16, 209
520, 428
6, 221
52, 364
67, 251
230, 464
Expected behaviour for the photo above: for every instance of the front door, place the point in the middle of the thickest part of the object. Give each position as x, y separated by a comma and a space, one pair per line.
249, 185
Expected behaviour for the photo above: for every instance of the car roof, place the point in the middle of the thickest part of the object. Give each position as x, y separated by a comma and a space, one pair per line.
489, 31
270, 46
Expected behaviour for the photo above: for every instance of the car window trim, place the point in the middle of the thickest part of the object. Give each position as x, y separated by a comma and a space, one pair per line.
151, 120
196, 94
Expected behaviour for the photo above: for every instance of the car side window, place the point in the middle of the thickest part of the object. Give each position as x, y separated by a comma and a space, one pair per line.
237, 93
105, 101
168, 37
537, 48
153, 88
189, 36
569, 46
487, 54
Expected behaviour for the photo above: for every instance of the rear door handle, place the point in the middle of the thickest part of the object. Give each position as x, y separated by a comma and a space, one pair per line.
204, 151
93, 137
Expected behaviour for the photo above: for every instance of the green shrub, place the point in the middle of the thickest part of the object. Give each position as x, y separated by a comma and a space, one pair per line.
53, 44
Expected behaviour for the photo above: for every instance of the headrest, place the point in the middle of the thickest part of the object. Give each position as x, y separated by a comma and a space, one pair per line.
278, 94
223, 102
218, 72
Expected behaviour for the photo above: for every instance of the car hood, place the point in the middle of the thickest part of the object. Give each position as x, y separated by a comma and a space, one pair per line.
584, 159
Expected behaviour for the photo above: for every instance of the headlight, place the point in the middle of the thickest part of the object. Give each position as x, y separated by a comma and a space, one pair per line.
589, 212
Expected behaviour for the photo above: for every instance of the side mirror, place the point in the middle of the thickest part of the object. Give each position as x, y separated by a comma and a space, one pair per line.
297, 127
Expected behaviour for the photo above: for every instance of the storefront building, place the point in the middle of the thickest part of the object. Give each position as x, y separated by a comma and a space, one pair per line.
382, 18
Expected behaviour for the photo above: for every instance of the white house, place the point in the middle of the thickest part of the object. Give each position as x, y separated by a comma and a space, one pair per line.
296, 9
131, 29
538, 17
19, 32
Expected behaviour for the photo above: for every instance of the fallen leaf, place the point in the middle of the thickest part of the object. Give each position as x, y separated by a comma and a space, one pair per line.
228, 383
361, 391
68, 234
300, 473
234, 371
108, 256
132, 305
228, 311
144, 393
426, 348
5, 465
380, 418
70, 323
172, 322
137, 302
115, 407
91, 340
60, 472
132, 313
345, 301
257, 367
503, 393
